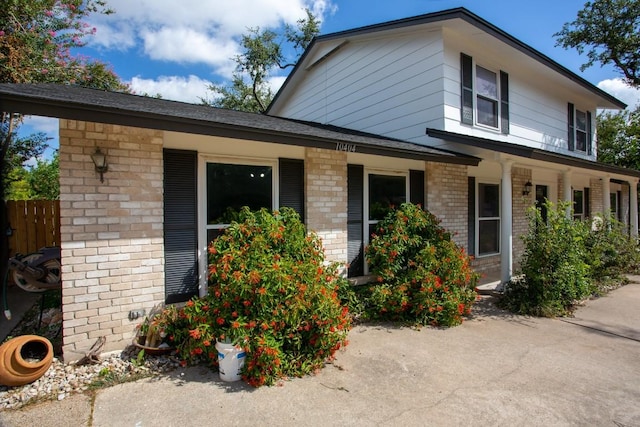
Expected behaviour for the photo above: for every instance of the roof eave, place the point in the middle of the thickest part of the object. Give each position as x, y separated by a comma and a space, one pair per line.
528, 152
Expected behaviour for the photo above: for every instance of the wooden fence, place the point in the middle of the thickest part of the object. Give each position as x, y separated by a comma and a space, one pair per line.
34, 224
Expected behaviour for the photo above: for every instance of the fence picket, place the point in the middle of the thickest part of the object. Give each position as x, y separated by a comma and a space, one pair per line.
35, 223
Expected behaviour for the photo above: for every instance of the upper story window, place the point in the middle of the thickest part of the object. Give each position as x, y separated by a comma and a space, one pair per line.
579, 137
485, 96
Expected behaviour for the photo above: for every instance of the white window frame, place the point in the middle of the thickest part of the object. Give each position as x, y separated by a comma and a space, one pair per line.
477, 94
203, 227
493, 218
368, 222
585, 131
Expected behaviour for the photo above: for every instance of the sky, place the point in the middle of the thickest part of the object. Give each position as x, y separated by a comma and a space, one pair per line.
176, 49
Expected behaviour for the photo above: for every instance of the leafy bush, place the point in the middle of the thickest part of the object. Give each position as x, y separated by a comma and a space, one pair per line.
555, 272
272, 293
423, 276
612, 252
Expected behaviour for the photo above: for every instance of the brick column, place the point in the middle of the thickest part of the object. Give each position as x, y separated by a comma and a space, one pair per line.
447, 198
326, 200
521, 203
111, 232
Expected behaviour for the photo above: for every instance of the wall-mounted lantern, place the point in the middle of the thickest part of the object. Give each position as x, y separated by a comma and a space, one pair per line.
100, 162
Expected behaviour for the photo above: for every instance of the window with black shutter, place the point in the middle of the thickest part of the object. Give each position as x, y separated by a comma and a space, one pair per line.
355, 218
484, 96
180, 225
291, 173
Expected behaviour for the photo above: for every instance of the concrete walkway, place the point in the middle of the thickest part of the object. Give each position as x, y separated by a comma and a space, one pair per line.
495, 369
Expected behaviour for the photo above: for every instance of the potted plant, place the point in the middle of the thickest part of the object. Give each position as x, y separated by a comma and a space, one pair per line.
151, 335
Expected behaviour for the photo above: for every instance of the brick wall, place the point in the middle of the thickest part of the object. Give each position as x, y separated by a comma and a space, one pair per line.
326, 204
520, 224
595, 193
447, 198
111, 232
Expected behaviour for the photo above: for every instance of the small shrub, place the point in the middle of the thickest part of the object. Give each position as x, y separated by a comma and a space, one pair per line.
272, 293
423, 276
554, 265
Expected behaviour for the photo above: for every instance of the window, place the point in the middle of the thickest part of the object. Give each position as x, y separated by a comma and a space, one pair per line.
232, 186
385, 193
579, 137
488, 208
578, 204
581, 131
485, 96
614, 200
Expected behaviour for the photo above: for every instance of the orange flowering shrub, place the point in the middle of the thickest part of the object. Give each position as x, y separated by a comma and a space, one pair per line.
272, 293
423, 276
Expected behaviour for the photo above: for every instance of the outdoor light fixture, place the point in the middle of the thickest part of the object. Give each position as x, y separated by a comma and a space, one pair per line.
527, 188
100, 161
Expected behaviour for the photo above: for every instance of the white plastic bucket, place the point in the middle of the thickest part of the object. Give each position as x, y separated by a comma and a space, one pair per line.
230, 361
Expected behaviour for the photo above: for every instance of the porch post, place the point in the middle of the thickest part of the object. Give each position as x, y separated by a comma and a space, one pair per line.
633, 212
568, 196
506, 224
606, 196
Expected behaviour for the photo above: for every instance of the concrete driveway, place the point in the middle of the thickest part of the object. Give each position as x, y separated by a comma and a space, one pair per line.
495, 369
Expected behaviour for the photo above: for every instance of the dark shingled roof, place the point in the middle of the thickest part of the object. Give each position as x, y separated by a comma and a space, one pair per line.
73, 102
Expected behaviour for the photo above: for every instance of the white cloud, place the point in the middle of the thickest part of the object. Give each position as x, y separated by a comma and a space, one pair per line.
276, 82
622, 91
185, 45
177, 88
195, 30
46, 125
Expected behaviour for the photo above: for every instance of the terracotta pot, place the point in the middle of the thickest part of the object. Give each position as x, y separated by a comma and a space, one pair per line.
14, 369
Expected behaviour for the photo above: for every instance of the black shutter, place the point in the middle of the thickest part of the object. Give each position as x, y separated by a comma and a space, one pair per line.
355, 217
466, 67
504, 102
416, 187
471, 216
572, 133
291, 173
180, 225
587, 203
589, 134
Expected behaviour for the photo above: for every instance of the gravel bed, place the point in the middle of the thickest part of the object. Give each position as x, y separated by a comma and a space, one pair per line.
62, 380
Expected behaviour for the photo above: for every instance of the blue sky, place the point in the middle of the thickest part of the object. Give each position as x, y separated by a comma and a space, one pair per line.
176, 48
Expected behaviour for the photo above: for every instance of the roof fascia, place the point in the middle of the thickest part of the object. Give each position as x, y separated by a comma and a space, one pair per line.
527, 152
102, 114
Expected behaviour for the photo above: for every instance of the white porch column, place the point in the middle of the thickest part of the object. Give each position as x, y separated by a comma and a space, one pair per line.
606, 196
633, 212
568, 196
506, 224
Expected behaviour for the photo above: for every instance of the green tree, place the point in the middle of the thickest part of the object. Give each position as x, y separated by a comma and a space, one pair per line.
619, 138
44, 179
609, 32
263, 53
38, 39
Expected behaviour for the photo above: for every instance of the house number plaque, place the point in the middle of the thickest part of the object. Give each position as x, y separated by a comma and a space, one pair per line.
341, 146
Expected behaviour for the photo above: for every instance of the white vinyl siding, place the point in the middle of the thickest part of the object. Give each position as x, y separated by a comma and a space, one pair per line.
391, 87
537, 103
